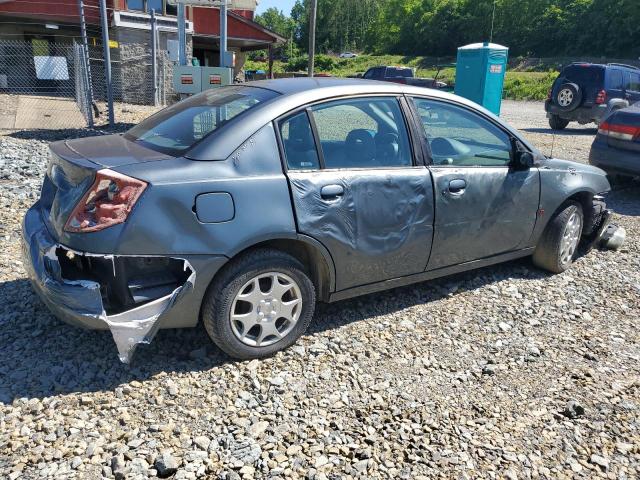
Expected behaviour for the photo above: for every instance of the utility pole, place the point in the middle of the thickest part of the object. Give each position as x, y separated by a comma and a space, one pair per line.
223, 33
312, 35
87, 62
493, 17
182, 35
107, 59
154, 55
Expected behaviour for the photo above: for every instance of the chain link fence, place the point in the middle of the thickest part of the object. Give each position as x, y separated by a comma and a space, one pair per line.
39, 84
56, 85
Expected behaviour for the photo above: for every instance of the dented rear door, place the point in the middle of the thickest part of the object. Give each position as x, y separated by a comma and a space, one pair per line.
357, 189
377, 225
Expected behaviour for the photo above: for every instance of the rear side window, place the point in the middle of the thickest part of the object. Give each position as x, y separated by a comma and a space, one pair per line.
298, 143
584, 75
634, 81
179, 127
363, 133
616, 80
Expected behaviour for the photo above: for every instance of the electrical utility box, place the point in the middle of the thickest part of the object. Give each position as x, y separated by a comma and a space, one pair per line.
188, 79
480, 71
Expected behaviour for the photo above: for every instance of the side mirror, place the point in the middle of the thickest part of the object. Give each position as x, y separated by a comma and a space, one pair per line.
524, 160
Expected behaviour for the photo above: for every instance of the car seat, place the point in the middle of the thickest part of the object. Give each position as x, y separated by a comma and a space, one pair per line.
360, 147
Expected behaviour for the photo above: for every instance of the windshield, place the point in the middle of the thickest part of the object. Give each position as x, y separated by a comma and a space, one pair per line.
176, 129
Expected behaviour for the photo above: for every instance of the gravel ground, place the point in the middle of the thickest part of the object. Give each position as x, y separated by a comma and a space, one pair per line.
505, 372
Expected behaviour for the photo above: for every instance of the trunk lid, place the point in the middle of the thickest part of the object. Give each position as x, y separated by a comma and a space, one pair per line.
628, 117
72, 168
113, 151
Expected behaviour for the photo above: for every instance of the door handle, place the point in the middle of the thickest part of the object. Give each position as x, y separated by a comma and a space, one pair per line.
457, 186
331, 192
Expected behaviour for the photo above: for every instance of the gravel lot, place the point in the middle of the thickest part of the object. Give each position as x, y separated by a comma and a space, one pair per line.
505, 372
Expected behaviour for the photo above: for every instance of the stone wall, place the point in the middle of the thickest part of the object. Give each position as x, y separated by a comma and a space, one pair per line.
132, 66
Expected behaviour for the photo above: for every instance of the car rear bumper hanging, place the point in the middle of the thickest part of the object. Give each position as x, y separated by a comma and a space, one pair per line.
81, 301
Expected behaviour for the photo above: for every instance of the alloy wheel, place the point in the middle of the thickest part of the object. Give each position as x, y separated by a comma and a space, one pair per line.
565, 97
570, 238
266, 309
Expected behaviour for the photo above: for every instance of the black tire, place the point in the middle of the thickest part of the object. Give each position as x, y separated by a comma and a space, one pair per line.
565, 92
557, 123
547, 254
218, 301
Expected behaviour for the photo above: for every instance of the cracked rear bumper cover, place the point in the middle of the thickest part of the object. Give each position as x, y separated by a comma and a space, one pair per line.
79, 302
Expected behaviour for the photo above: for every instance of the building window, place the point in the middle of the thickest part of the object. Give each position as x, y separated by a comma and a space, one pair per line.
162, 7
155, 5
135, 5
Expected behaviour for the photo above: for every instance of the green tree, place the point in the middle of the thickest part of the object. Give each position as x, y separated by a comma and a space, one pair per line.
276, 21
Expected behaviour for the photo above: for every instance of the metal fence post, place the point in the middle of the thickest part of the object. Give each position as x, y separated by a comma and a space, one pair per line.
223, 33
154, 54
86, 62
182, 35
86, 79
107, 59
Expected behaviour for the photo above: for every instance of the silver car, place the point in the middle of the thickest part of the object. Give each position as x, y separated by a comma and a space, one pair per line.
242, 207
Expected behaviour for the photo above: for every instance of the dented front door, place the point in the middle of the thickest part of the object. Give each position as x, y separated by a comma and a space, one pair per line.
377, 225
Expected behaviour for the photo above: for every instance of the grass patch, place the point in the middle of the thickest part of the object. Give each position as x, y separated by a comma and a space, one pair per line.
518, 85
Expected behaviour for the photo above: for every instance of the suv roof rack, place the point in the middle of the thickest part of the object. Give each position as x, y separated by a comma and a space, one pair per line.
623, 65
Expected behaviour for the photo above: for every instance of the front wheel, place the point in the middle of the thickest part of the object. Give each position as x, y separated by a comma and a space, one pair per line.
261, 303
557, 123
557, 248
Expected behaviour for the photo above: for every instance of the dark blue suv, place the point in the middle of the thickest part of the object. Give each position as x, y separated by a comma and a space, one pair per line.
588, 92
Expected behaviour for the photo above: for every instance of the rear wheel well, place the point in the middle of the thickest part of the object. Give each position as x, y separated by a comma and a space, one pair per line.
305, 253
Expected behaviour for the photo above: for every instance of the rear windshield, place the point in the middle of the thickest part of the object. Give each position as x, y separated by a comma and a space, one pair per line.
584, 75
399, 72
179, 127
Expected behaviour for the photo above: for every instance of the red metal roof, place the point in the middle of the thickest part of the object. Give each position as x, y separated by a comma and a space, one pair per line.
206, 21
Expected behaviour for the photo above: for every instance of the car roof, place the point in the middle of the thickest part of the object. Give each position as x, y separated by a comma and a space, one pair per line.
603, 65
297, 92
288, 86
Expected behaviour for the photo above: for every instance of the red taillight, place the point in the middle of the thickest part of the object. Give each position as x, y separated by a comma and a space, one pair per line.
620, 132
602, 97
108, 202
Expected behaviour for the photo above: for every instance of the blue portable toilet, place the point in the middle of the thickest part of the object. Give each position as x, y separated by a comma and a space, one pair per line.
480, 72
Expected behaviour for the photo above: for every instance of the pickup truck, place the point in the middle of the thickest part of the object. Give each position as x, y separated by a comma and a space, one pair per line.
403, 75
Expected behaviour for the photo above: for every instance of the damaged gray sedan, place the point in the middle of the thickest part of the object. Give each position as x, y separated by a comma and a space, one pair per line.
242, 207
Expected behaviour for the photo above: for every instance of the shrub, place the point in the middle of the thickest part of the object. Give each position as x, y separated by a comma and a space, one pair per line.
323, 63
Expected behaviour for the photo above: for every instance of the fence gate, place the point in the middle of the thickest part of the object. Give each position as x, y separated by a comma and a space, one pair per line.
42, 85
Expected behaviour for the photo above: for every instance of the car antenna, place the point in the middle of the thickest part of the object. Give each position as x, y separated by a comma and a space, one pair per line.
553, 143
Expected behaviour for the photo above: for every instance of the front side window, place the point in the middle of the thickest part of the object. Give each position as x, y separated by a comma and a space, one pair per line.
179, 127
362, 133
460, 137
